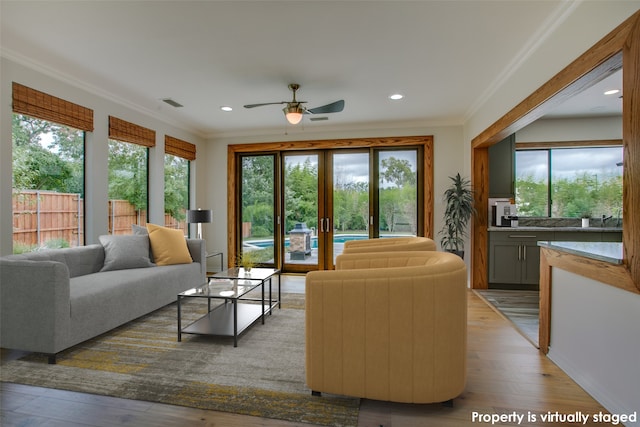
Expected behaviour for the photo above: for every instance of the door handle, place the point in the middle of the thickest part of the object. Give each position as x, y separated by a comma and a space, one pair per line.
328, 224
519, 252
524, 252
322, 225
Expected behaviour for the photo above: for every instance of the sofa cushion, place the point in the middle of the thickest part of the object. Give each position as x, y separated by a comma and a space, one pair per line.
125, 252
79, 260
168, 245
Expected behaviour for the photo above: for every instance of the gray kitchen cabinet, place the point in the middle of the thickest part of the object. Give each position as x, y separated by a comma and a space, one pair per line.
578, 236
514, 257
502, 168
612, 236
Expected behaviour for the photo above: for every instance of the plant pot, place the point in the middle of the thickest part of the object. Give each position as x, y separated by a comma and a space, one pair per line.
459, 253
585, 222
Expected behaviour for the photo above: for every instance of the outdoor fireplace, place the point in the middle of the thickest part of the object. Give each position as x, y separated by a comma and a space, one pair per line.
300, 241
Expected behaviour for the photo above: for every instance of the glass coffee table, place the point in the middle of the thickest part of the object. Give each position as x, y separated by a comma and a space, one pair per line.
239, 310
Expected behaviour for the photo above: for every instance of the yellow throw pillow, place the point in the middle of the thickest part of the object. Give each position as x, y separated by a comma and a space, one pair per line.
168, 245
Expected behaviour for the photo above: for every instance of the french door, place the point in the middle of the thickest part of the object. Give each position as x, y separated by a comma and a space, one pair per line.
298, 208
326, 201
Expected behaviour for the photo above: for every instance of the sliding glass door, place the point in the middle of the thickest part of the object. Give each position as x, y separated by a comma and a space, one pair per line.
302, 203
349, 200
397, 193
298, 208
257, 232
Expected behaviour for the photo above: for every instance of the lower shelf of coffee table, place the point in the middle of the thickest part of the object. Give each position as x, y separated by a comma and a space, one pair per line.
219, 321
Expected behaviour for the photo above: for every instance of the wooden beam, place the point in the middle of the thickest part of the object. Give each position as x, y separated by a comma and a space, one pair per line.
479, 233
631, 147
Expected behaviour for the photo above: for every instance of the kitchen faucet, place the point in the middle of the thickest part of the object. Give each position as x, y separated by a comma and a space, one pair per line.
604, 219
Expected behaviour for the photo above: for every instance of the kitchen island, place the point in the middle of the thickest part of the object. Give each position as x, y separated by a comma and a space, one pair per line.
589, 317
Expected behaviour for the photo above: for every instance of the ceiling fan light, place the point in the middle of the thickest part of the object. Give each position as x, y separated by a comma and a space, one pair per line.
293, 114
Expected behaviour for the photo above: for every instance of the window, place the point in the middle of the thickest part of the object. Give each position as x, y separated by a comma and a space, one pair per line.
48, 170
128, 171
48, 185
128, 186
398, 193
569, 182
178, 155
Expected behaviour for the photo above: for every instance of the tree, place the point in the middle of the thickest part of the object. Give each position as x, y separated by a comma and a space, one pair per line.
56, 166
531, 196
397, 172
301, 194
258, 194
398, 196
176, 186
128, 173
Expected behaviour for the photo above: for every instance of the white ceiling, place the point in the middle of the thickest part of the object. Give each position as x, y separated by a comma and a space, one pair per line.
446, 57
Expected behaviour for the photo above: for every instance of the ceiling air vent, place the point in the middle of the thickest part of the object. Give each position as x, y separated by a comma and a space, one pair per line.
172, 102
317, 119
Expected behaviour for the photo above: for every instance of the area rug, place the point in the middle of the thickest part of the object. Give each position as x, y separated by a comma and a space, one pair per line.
520, 307
264, 376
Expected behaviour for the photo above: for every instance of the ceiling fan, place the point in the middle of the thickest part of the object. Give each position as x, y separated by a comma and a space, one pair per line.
295, 110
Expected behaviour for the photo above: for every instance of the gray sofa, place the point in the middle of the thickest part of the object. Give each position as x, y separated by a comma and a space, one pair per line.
54, 299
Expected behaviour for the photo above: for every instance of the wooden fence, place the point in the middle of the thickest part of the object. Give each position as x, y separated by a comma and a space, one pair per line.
122, 214
46, 218
43, 216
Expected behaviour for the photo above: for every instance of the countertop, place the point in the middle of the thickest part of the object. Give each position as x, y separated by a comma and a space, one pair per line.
602, 251
580, 229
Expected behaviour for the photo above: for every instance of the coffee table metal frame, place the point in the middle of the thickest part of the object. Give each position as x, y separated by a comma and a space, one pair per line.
238, 312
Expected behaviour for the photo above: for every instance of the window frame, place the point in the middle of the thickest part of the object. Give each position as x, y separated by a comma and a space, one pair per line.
554, 145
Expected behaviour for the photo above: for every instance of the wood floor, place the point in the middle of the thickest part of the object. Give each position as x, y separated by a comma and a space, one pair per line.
506, 374
520, 307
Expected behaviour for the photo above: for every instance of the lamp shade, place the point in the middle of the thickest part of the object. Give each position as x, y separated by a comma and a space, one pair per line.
293, 114
197, 216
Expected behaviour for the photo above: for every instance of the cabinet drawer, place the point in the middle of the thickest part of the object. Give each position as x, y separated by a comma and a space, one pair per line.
521, 235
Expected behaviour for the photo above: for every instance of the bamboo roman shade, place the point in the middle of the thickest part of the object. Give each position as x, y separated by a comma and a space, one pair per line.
121, 130
47, 107
180, 148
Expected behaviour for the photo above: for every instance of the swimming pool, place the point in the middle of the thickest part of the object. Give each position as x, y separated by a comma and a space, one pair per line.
337, 238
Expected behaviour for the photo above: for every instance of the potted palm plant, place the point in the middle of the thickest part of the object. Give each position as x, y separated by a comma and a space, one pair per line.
458, 210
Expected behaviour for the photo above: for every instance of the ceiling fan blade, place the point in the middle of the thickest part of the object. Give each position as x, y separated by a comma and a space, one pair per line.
334, 107
265, 103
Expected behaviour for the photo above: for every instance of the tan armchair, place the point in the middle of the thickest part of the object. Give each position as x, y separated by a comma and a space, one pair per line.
388, 326
389, 244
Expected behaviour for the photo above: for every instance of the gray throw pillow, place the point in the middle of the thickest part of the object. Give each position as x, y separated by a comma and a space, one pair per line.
122, 252
142, 231
139, 230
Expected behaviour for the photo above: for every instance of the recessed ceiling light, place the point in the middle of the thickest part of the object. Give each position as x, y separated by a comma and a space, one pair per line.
226, 108
396, 96
612, 92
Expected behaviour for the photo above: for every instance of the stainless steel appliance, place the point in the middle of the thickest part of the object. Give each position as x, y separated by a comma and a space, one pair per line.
506, 215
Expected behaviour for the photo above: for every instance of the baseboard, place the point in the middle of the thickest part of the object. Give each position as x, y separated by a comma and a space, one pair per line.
611, 403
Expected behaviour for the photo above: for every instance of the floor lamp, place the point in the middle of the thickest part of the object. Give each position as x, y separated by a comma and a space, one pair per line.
199, 216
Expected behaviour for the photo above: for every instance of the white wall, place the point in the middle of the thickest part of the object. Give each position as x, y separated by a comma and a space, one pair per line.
596, 128
587, 22
96, 186
448, 151
595, 338
590, 336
